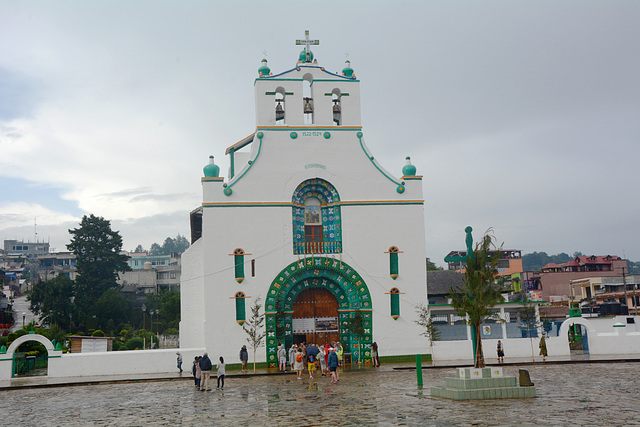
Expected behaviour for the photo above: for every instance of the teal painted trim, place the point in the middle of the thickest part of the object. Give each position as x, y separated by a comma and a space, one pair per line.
289, 204
299, 67
227, 191
330, 94
273, 93
232, 162
251, 205
280, 80
327, 135
347, 79
293, 135
359, 135
335, 129
53, 357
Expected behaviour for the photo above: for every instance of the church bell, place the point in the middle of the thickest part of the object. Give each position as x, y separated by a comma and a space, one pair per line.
336, 112
308, 109
279, 111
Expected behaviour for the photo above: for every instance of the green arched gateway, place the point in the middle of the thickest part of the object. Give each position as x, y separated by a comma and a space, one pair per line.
327, 273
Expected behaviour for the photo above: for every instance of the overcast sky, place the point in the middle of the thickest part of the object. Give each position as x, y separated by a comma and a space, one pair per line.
523, 116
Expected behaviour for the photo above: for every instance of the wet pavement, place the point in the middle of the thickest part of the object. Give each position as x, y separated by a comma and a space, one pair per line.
568, 394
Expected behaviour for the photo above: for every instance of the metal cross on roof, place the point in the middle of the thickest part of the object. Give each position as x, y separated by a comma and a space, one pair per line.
307, 42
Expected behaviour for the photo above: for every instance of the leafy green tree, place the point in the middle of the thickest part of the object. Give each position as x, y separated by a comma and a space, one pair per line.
170, 245
432, 267
112, 306
139, 249
254, 329
51, 300
480, 293
156, 250
429, 330
168, 303
98, 260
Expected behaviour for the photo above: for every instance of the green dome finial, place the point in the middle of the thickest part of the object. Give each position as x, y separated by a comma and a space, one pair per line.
347, 71
211, 170
264, 71
303, 57
409, 169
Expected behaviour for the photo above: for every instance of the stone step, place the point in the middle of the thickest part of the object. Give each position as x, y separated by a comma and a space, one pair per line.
472, 383
484, 393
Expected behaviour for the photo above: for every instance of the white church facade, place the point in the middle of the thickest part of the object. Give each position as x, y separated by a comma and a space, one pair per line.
308, 222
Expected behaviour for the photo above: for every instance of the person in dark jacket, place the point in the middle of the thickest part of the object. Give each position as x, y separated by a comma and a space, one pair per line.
205, 367
333, 365
244, 357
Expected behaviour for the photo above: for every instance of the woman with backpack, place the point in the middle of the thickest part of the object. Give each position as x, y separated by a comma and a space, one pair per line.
298, 365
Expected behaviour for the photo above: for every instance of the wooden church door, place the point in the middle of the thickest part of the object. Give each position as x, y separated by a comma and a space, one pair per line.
315, 317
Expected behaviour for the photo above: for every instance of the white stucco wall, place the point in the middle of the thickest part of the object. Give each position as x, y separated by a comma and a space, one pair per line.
603, 339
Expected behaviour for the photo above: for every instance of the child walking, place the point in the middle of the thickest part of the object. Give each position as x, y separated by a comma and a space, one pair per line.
220, 374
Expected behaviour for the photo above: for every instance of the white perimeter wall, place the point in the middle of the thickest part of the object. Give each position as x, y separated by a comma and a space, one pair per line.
603, 339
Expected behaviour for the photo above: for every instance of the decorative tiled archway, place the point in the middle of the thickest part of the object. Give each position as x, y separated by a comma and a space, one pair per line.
328, 273
330, 214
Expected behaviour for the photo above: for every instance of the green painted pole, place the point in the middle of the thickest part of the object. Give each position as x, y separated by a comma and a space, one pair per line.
419, 369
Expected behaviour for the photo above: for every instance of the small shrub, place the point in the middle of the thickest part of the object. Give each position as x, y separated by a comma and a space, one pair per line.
11, 338
171, 331
98, 333
134, 344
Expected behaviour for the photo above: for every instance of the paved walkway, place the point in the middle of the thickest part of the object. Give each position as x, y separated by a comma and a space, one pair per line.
43, 381
568, 394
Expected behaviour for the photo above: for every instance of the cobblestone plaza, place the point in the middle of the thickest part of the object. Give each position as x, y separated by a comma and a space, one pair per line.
568, 394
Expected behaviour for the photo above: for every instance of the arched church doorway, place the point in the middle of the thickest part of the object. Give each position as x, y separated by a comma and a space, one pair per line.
315, 317
310, 278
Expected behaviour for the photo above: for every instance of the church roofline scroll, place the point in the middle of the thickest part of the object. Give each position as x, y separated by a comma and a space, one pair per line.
400, 185
299, 67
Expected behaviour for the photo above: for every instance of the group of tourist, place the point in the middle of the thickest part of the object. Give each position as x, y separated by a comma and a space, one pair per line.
201, 371
328, 358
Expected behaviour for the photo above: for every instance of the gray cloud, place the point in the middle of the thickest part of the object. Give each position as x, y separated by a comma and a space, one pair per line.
522, 116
